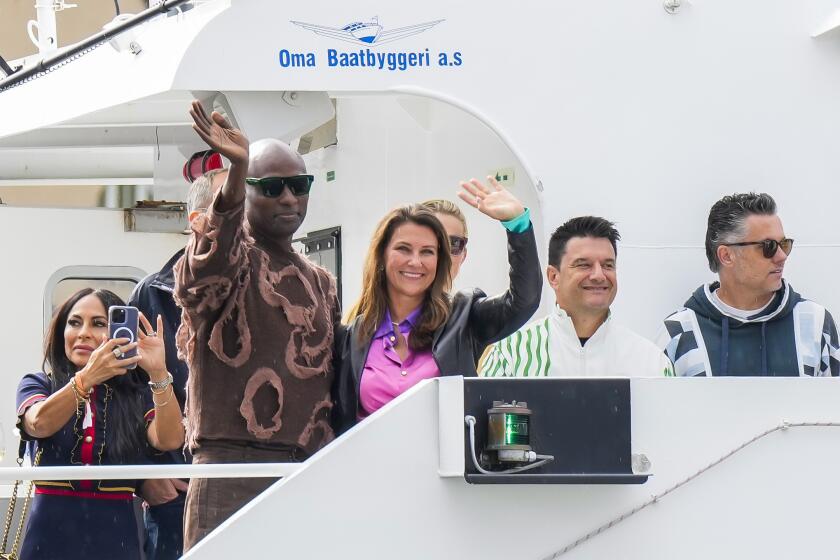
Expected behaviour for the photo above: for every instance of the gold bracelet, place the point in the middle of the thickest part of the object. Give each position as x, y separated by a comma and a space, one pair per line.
167, 400
76, 395
80, 395
79, 385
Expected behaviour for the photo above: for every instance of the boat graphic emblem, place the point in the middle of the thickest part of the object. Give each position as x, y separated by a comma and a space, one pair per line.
367, 32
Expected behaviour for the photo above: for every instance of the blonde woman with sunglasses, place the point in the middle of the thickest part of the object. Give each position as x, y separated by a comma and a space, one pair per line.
455, 224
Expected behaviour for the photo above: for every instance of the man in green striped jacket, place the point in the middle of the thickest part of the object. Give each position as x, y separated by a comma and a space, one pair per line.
579, 338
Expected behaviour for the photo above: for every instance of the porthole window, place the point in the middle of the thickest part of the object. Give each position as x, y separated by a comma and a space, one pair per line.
69, 280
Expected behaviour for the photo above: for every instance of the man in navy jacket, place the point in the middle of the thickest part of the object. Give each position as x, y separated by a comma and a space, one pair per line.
153, 296
751, 322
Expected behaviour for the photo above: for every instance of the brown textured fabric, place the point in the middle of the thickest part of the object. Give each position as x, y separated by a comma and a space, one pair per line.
257, 333
211, 501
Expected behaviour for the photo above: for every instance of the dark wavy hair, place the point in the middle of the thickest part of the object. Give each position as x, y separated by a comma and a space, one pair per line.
373, 302
125, 436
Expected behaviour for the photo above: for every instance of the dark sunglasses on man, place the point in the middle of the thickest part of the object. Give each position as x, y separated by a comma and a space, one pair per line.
272, 187
768, 246
457, 244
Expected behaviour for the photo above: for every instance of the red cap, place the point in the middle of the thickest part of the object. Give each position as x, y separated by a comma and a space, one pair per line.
200, 163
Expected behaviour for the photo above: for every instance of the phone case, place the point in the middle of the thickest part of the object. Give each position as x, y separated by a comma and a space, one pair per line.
126, 328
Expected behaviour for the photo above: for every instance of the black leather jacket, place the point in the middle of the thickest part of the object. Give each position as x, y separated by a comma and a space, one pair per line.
475, 321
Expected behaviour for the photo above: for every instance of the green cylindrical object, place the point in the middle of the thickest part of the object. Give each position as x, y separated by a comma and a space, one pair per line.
508, 426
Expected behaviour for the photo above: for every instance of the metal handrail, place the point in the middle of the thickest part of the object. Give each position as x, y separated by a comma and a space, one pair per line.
144, 472
46, 63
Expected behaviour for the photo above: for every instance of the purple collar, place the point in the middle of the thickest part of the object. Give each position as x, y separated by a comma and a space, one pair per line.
386, 327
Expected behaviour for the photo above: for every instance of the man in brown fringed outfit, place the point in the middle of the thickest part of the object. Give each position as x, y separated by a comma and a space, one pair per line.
257, 328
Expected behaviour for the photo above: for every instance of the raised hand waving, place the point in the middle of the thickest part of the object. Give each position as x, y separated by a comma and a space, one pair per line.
218, 133
494, 201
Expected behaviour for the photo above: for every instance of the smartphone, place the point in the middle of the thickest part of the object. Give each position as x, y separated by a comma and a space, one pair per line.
123, 321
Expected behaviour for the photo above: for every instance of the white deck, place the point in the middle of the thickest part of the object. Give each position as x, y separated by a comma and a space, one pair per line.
377, 493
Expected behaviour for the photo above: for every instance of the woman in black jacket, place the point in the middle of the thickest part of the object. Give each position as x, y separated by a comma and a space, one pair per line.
405, 327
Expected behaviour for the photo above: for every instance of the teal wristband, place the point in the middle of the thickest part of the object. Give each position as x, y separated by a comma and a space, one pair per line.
519, 224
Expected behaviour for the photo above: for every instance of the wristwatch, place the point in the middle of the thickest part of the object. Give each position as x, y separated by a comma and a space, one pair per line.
161, 385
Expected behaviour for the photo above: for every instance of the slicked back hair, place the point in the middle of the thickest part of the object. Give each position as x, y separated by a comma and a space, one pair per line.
582, 226
728, 220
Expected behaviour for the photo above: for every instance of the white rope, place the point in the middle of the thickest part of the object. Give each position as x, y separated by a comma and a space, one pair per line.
657, 497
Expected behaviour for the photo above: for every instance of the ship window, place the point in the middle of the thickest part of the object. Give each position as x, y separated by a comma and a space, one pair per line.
69, 280
323, 247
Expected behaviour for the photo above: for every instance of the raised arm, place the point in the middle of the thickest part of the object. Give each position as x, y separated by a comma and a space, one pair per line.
166, 430
218, 133
45, 417
204, 276
493, 318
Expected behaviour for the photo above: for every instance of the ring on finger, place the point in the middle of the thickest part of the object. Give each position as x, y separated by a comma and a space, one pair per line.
117, 352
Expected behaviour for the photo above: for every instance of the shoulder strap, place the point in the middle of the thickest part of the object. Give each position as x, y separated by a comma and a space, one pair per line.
10, 512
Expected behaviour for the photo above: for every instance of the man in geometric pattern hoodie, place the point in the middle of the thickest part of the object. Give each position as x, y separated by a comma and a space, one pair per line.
751, 323
791, 336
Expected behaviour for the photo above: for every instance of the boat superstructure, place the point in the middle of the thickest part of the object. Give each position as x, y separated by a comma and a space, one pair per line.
638, 113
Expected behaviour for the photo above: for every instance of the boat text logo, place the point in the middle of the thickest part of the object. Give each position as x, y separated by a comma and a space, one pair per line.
367, 32
369, 35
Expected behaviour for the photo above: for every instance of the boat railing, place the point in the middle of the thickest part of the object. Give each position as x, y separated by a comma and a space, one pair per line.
143, 472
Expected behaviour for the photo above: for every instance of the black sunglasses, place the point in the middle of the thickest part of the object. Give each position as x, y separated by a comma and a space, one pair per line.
457, 244
768, 246
272, 187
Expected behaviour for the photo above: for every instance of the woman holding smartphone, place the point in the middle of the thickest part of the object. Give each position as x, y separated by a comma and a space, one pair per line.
91, 407
406, 327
